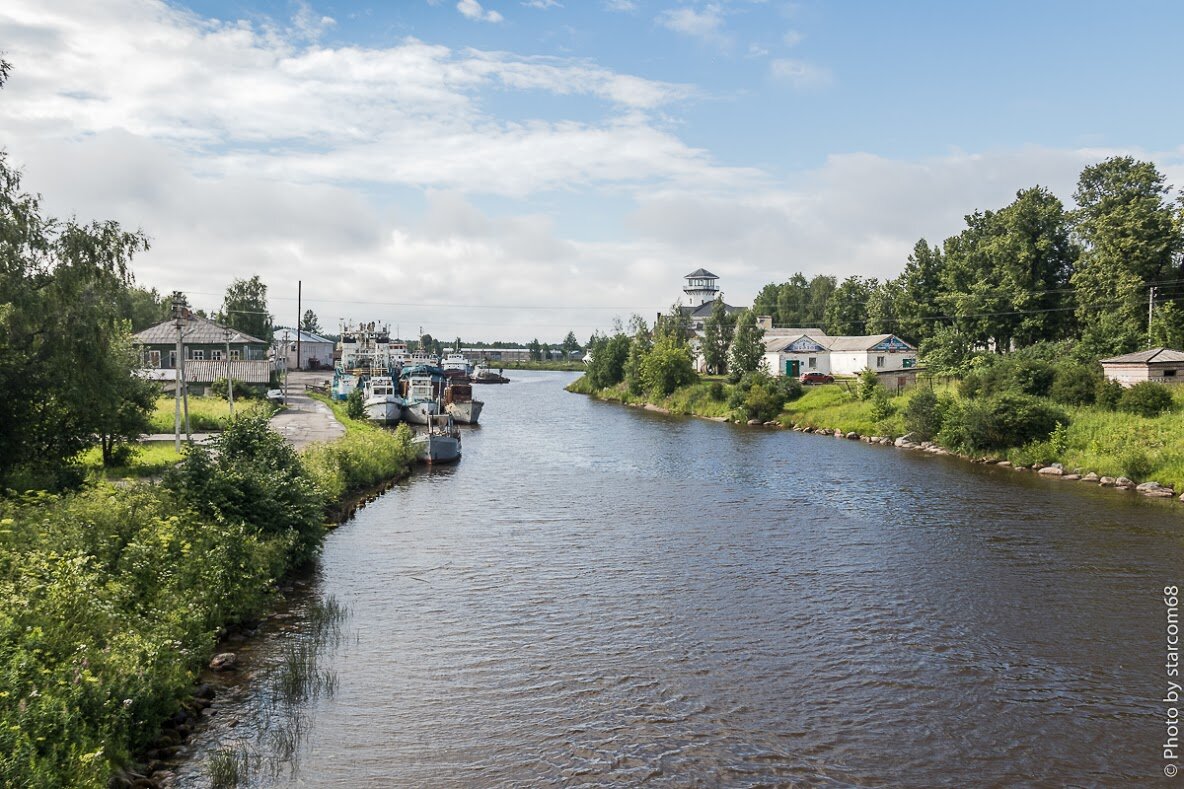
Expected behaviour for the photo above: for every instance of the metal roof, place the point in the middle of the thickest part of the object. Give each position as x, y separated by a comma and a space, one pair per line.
305, 336
195, 331
700, 274
1147, 357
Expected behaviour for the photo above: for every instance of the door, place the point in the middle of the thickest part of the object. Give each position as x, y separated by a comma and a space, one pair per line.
793, 368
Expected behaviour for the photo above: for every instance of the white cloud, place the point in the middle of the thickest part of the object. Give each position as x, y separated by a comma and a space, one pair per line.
706, 24
471, 9
542, 5
800, 74
792, 38
620, 5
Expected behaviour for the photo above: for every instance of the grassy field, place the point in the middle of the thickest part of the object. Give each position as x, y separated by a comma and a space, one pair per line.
148, 459
205, 413
571, 366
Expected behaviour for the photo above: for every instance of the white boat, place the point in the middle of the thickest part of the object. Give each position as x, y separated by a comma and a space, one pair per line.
457, 361
460, 405
438, 444
381, 402
422, 388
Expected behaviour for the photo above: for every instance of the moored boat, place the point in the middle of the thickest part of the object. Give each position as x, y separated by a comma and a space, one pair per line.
456, 361
483, 375
381, 402
438, 444
460, 405
422, 387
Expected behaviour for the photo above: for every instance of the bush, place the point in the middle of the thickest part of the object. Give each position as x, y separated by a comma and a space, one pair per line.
716, 391
1108, 393
666, 367
791, 387
758, 396
1146, 399
1074, 383
355, 404
242, 391
1136, 465
923, 415
868, 384
882, 407
1000, 422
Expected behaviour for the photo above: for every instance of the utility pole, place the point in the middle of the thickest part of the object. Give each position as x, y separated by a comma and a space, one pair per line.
178, 363
229, 380
285, 366
1150, 309
299, 318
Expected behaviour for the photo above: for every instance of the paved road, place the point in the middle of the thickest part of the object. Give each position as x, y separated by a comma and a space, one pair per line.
306, 421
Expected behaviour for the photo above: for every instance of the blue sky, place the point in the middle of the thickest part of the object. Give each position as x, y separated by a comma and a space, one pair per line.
563, 163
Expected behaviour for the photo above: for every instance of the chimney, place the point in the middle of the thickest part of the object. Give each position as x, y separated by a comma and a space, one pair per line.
764, 321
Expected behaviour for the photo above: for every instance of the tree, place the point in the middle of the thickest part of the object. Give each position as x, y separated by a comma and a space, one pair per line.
1132, 238
144, 308
718, 331
122, 408
846, 309
607, 367
884, 306
536, 350
666, 367
748, 352
65, 373
309, 323
639, 349
821, 288
570, 344
920, 284
244, 307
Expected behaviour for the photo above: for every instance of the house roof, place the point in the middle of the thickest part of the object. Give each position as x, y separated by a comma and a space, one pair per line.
795, 332
305, 336
782, 341
1147, 357
700, 274
862, 342
196, 331
704, 309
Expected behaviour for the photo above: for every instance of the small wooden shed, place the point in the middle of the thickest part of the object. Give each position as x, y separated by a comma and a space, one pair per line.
1160, 365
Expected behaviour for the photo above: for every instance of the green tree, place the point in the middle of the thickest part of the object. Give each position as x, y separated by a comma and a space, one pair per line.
607, 366
884, 304
144, 308
821, 288
639, 349
718, 330
921, 285
1131, 237
667, 366
748, 352
244, 307
570, 344
63, 336
846, 309
536, 350
309, 323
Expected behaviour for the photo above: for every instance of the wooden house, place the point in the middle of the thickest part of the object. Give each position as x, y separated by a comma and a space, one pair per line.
1159, 365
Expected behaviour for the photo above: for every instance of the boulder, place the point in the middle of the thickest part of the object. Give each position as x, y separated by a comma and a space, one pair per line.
1051, 471
853, 436
224, 661
1147, 486
1160, 493
1106, 482
1090, 477
1071, 476
902, 441
1124, 482
755, 422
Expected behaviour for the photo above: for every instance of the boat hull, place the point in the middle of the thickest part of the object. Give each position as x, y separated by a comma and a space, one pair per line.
384, 410
419, 413
433, 448
465, 413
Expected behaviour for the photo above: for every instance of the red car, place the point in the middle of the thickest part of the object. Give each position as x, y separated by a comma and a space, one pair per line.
817, 378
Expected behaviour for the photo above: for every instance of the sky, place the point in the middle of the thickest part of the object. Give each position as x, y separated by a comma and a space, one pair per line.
515, 169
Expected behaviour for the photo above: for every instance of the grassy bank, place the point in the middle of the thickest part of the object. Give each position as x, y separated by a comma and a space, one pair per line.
570, 366
1110, 443
113, 598
205, 413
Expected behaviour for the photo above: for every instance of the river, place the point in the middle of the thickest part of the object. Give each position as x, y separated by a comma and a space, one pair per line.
604, 595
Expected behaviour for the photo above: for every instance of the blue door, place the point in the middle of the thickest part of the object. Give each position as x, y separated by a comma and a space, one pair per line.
792, 368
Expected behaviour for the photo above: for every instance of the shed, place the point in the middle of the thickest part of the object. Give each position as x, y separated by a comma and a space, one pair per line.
1158, 365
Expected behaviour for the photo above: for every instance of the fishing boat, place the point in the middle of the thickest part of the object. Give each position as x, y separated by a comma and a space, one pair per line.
422, 387
381, 402
440, 443
483, 375
364, 352
459, 402
456, 361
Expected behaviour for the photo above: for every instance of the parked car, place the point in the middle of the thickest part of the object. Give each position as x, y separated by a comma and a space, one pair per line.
817, 378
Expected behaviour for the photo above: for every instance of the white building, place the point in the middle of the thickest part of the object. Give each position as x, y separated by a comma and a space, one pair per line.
316, 352
795, 351
1159, 365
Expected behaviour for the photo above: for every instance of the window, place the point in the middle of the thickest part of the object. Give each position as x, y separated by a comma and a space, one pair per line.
1169, 373
198, 356
879, 361
154, 359
813, 362
234, 356
172, 360
216, 356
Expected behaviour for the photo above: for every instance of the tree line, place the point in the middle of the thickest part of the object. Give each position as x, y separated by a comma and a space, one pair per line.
1031, 271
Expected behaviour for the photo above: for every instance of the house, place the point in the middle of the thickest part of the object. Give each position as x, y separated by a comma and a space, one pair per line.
209, 352
315, 351
1160, 365
794, 351
701, 288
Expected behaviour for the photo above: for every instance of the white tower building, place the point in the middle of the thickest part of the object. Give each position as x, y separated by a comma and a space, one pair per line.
701, 287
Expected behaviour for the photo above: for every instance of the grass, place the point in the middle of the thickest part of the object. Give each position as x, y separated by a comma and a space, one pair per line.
229, 768
572, 365
205, 413
693, 400
365, 456
148, 459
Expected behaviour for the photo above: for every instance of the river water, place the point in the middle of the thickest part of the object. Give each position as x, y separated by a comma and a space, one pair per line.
608, 596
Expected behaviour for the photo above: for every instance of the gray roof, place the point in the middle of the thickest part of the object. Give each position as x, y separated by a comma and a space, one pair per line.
196, 331
780, 342
700, 274
704, 309
305, 336
795, 332
1147, 357
776, 339
862, 342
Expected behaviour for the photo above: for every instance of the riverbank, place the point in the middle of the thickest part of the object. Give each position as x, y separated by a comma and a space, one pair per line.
1098, 446
114, 598
562, 366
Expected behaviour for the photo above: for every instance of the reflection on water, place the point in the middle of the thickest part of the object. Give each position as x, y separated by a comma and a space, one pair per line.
603, 595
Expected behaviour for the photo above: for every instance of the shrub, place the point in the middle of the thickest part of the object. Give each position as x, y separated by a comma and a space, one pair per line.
242, 391
1146, 399
923, 415
355, 404
792, 387
868, 384
758, 396
1108, 393
1136, 465
882, 407
716, 391
666, 367
971, 385
1074, 383
1026, 376
1002, 421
